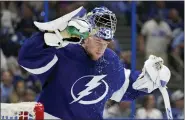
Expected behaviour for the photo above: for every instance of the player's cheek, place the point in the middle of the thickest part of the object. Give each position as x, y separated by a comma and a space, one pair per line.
103, 48
93, 50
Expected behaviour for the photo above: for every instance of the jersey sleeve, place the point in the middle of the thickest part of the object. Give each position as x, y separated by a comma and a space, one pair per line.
36, 57
120, 84
123, 85
132, 94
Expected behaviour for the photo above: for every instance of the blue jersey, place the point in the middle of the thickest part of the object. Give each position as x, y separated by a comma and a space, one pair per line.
74, 86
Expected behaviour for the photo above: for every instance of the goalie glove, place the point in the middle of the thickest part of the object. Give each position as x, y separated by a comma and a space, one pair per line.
153, 76
68, 24
76, 30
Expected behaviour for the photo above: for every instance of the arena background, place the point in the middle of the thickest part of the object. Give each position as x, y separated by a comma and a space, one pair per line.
17, 24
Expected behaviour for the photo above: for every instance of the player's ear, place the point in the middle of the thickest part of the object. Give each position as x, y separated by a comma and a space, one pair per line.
109, 41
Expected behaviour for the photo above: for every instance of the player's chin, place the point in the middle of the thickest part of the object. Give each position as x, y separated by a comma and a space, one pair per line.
97, 56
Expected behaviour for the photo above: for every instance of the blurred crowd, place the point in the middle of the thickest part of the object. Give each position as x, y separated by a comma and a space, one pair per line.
160, 31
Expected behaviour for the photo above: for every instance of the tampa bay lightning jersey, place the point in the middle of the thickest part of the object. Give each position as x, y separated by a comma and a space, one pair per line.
74, 85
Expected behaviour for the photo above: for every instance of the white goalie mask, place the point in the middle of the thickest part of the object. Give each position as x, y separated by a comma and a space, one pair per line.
102, 17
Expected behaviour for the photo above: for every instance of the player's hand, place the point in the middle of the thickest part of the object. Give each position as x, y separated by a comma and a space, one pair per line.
153, 76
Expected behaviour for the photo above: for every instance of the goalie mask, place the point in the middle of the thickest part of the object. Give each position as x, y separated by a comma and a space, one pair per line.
103, 21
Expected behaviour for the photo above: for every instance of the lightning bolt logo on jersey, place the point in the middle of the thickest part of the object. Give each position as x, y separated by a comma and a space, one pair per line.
95, 82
